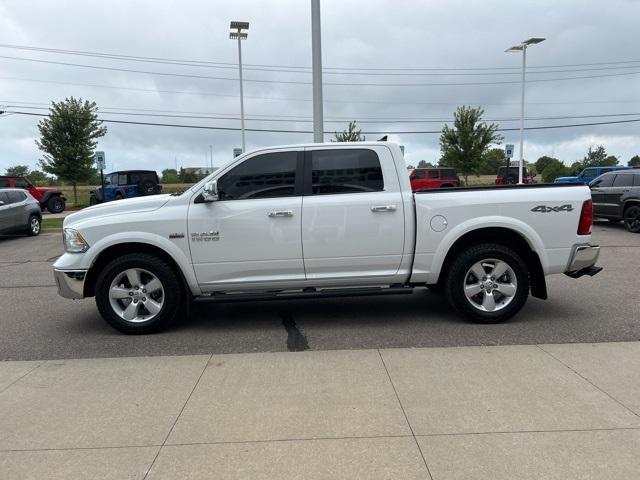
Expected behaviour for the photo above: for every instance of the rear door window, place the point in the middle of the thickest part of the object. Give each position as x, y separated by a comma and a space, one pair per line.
434, 174
603, 181
345, 171
4, 198
448, 173
636, 181
16, 197
623, 180
21, 183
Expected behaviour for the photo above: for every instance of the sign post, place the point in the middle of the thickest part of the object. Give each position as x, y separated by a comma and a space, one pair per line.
508, 151
101, 161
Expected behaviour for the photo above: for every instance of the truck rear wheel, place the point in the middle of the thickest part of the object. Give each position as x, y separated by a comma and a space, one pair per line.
138, 294
488, 283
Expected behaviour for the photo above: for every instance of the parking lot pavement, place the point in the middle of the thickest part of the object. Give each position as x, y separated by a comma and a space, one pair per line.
488, 413
37, 324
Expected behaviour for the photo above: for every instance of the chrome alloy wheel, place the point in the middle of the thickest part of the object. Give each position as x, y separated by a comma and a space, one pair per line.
490, 285
136, 295
35, 225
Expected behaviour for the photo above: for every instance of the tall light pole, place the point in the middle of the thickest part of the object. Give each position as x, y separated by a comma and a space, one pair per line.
240, 35
523, 48
316, 55
211, 157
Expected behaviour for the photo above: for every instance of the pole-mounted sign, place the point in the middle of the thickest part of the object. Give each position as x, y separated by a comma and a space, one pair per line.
101, 163
508, 150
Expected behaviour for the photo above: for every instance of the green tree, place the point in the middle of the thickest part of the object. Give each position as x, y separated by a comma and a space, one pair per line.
554, 168
425, 164
543, 161
464, 145
170, 175
17, 171
410, 167
492, 160
351, 134
598, 158
68, 138
634, 161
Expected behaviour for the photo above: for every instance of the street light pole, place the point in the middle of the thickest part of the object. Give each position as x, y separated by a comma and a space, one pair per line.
524, 69
316, 55
523, 48
240, 35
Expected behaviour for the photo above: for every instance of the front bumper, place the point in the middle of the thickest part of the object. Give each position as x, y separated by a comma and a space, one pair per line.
70, 283
583, 260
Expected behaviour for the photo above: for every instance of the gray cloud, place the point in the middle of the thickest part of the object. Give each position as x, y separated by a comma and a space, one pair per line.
356, 34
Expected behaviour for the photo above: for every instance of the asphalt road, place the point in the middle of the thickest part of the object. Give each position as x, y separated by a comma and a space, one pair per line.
35, 323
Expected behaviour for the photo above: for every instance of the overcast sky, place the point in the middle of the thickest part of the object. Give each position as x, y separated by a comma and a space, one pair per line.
377, 34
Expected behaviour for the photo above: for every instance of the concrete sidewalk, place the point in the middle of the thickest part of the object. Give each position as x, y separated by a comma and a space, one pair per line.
530, 412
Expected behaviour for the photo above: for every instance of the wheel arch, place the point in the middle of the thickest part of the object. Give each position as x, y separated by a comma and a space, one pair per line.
509, 238
119, 249
632, 202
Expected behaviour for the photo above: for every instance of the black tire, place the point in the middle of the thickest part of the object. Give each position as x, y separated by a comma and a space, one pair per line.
119, 196
93, 200
458, 274
632, 219
35, 226
173, 294
55, 204
147, 187
511, 180
446, 186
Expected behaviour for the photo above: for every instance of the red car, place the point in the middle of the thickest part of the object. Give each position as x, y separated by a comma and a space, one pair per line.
49, 198
426, 178
509, 176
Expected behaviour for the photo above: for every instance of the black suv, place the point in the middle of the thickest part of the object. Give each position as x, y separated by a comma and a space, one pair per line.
126, 184
616, 196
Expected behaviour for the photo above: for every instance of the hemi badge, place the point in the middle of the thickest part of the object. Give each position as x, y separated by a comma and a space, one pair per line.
176, 235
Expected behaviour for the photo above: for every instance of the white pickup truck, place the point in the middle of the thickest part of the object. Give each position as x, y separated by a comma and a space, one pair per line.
323, 220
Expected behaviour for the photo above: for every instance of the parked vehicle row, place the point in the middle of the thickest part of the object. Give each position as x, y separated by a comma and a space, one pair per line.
19, 212
322, 220
126, 184
51, 199
589, 174
426, 178
616, 197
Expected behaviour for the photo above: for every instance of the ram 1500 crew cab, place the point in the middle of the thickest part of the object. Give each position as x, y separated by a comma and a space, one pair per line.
321, 220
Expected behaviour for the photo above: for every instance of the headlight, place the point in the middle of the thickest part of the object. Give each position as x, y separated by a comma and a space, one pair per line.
73, 241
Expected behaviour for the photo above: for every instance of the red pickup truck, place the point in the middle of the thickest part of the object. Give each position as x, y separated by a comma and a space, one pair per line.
49, 198
426, 178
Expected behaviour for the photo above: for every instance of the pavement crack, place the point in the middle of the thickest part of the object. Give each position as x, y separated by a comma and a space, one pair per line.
296, 341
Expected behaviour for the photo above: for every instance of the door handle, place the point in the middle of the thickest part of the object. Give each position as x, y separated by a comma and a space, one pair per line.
383, 208
280, 213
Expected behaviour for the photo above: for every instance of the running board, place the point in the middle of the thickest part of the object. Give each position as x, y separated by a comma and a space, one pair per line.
306, 293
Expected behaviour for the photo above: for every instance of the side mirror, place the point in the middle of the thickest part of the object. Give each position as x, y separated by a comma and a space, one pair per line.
210, 192
1, 203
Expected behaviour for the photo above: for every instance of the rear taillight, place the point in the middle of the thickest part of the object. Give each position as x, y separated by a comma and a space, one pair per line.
586, 218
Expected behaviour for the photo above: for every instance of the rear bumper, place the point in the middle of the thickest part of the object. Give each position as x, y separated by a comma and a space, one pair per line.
582, 261
70, 283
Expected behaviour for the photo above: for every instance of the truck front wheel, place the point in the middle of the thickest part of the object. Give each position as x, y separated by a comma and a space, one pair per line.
488, 283
138, 294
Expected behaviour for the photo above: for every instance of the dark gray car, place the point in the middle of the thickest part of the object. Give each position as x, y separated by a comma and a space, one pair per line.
19, 212
616, 196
